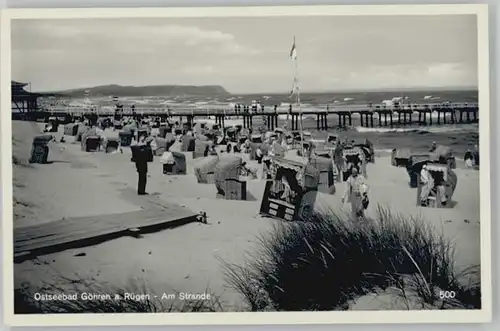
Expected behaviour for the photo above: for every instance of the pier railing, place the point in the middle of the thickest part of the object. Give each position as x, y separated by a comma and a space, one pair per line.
269, 110
386, 116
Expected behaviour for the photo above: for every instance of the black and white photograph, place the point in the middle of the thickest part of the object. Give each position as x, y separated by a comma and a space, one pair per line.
247, 162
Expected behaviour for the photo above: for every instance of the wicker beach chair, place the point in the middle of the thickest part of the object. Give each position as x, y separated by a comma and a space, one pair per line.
332, 139
414, 166
326, 173
125, 138
130, 128
117, 125
91, 132
445, 182
53, 124
278, 150
205, 169
112, 145
400, 157
201, 148
264, 148
71, 129
92, 143
231, 134
163, 130
174, 163
227, 178
353, 157
188, 143
39, 149
289, 181
82, 128
256, 139
367, 148
444, 155
160, 146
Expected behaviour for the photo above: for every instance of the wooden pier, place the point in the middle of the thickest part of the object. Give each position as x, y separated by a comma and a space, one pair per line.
368, 116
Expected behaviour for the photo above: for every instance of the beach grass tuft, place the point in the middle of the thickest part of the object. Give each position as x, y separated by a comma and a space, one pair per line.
326, 262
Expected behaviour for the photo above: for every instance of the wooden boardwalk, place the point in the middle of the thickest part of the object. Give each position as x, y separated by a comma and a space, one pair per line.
60, 235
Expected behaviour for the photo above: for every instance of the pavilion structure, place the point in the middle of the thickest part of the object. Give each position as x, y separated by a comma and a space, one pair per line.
22, 100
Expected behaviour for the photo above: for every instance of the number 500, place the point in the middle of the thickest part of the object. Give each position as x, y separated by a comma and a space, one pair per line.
447, 294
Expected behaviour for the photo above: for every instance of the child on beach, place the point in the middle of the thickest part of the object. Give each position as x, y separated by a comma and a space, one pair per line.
469, 159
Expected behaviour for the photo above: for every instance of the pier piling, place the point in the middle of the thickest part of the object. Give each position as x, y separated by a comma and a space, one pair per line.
446, 114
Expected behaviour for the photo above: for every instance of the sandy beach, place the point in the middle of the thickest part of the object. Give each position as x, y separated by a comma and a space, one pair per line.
187, 258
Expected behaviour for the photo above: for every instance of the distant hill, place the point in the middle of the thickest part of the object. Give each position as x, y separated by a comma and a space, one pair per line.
152, 90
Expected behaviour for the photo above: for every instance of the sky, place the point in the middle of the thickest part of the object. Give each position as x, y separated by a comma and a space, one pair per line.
249, 55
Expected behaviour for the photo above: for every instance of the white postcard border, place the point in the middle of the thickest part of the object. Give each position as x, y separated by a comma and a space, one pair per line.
248, 318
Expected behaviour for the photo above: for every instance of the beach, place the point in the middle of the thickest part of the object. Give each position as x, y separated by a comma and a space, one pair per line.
418, 137
187, 259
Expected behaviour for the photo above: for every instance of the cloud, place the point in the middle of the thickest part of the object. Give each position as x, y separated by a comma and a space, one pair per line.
200, 70
417, 75
248, 54
120, 36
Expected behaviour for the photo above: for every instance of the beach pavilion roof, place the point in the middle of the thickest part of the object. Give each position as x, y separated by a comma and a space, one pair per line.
20, 94
18, 84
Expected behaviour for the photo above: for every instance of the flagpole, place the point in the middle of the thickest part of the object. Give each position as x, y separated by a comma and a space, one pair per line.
296, 79
294, 85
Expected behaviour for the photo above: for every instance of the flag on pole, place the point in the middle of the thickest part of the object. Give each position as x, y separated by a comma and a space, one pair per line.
293, 56
293, 51
294, 90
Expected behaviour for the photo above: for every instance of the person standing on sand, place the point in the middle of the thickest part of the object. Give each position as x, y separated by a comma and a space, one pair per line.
212, 150
100, 133
455, 115
287, 191
428, 184
469, 159
357, 194
476, 156
433, 147
259, 155
141, 160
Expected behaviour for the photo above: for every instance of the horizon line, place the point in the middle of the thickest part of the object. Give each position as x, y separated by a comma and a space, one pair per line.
354, 90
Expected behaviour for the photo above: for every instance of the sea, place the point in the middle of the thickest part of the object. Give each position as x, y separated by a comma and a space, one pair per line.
417, 137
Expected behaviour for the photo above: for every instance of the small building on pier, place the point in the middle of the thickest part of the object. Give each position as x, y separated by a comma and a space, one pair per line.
24, 104
22, 100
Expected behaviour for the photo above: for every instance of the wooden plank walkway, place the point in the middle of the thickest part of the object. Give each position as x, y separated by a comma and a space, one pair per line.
60, 235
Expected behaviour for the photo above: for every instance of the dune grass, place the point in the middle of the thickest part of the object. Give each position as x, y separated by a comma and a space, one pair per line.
20, 152
25, 302
327, 262
22, 138
318, 263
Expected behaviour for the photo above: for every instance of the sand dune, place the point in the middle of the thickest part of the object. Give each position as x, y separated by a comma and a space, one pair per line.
186, 258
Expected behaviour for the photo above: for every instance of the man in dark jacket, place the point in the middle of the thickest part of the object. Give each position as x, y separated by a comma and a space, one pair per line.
141, 155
